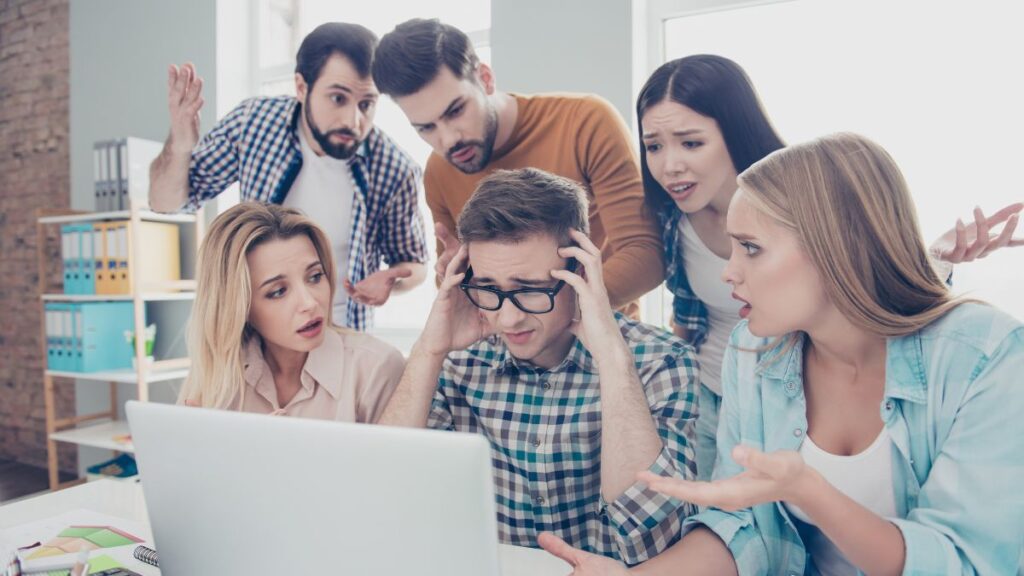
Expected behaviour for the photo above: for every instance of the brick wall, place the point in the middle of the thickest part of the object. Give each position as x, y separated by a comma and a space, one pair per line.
34, 173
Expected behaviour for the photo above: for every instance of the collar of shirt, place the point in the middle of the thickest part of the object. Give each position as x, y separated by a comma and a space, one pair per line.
323, 367
578, 359
904, 368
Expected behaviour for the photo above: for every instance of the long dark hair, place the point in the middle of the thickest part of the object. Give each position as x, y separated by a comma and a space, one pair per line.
718, 88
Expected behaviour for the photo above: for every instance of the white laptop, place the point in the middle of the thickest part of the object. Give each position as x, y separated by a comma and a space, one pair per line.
231, 493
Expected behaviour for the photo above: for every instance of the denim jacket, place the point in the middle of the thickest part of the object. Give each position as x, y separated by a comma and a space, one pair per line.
954, 407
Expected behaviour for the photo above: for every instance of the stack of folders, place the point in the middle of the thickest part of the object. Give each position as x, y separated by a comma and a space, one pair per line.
96, 260
88, 336
121, 172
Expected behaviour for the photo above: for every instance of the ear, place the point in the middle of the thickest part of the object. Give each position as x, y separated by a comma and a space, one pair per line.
485, 77
301, 88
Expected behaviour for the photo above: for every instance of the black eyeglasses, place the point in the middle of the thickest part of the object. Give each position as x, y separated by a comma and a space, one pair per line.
529, 300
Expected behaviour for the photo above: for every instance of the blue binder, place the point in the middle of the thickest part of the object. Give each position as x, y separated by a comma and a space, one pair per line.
87, 266
68, 236
102, 326
59, 329
51, 318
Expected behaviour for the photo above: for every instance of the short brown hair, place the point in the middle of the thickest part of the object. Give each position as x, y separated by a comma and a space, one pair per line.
510, 205
410, 56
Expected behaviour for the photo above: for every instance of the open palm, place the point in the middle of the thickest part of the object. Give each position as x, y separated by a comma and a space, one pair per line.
967, 242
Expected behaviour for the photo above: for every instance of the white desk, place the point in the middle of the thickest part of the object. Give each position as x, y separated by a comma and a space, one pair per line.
124, 500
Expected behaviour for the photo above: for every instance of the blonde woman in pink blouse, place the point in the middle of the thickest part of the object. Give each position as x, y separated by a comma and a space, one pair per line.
261, 335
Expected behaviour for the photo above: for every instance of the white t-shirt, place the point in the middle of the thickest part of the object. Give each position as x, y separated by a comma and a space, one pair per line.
704, 272
324, 190
866, 478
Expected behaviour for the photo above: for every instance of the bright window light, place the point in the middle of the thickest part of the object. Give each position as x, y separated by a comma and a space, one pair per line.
938, 84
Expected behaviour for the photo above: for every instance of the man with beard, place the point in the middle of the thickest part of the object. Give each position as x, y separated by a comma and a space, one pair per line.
318, 152
432, 72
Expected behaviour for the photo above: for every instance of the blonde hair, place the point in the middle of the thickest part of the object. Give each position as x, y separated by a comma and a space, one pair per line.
219, 329
847, 202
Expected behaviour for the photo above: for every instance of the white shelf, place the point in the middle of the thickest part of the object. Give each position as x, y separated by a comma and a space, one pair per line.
97, 436
146, 215
90, 477
148, 297
126, 376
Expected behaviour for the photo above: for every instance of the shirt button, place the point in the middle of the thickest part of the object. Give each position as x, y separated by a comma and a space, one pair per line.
536, 442
538, 500
888, 405
790, 386
546, 385
798, 432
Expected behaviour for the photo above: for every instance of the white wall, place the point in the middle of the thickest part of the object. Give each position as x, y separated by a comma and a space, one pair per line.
566, 45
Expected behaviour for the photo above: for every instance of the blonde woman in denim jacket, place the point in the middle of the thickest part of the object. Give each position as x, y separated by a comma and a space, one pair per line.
870, 420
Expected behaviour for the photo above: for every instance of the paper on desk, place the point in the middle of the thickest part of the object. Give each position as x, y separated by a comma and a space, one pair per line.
47, 530
7, 548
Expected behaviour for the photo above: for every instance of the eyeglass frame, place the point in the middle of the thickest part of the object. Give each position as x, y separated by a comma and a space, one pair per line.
465, 286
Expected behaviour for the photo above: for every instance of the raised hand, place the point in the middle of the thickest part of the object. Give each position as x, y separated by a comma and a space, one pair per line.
769, 477
596, 325
451, 247
454, 322
375, 289
967, 242
184, 100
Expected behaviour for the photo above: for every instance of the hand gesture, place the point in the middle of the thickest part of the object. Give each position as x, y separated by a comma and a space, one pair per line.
596, 325
964, 243
451, 247
184, 100
769, 477
454, 322
375, 289
583, 563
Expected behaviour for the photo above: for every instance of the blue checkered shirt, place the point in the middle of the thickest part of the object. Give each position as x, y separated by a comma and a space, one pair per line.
257, 145
544, 427
687, 310
952, 406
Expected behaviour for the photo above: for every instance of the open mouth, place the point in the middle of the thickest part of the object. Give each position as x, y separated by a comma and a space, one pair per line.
311, 328
464, 155
519, 337
745, 310
681, 189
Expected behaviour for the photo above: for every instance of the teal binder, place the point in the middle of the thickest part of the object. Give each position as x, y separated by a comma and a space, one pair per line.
61, 326
103, 344
51, 318
87, 266
67, 255
76, 359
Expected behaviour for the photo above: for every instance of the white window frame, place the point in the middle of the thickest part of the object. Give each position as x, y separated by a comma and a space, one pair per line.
649, 18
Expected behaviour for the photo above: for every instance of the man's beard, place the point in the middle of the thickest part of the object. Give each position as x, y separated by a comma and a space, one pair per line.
338, 151
485, 147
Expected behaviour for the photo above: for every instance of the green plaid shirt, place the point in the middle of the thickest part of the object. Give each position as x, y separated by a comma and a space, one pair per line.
544, 427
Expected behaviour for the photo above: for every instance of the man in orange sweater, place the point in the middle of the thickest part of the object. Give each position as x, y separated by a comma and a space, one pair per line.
432, 72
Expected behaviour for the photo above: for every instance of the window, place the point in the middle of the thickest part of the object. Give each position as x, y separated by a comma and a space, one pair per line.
935, 83
283, 25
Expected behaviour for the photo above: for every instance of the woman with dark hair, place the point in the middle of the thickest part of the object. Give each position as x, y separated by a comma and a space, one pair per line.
701, 124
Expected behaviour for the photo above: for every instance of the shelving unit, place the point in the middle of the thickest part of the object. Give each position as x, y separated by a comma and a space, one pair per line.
103, 429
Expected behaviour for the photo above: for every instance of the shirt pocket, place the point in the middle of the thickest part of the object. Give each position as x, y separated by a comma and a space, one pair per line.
580, 438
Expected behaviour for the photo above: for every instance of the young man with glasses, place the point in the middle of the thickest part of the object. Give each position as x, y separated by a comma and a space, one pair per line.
522, 346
